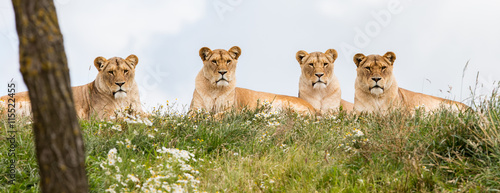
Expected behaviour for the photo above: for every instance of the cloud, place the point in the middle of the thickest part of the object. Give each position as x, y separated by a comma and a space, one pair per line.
113, 25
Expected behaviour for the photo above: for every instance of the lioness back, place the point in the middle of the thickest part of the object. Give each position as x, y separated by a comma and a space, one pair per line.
20, 102
428, 102
251, 99
376, 88
347, 106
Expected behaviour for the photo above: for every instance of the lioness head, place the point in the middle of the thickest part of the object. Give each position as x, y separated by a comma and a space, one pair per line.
219, 65
317, 67
116, 75
375, 72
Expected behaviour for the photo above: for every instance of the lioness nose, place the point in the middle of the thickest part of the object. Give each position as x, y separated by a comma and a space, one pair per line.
376, 79
319, 75
119, 83
222, 72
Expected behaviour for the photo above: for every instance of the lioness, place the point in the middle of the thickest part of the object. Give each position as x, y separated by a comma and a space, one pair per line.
216, 91
114, 88
377, 89
318, 85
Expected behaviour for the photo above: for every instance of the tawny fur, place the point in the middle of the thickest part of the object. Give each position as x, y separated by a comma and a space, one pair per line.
318, 84
376, 88
101, 97
216, 91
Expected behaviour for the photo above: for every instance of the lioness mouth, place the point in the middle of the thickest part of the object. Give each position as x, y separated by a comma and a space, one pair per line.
376, 86
119, 91
314, 83
222, 79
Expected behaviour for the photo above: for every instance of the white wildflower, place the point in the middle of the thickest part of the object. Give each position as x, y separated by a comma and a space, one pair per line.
358, 133
112, 156
117, 127
133, 178
118, 177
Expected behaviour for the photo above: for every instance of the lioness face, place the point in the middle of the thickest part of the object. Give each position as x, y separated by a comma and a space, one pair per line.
374, 72
219, 65
317, 67
117, 75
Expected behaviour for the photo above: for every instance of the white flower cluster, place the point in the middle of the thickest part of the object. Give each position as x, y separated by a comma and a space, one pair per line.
270, 117
357, 132
352, 140
284, 148
333, 117
273, 122
265, 114
266, 104
159, 179
181, 155
130, 119
117, 127
112, 157
264, 137
127, 144
162, 178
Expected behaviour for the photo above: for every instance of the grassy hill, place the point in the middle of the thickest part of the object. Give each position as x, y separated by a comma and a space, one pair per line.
262, 151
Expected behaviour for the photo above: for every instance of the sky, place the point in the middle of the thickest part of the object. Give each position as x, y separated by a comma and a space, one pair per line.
433, 41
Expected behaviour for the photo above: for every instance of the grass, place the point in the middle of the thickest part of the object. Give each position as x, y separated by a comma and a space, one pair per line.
261, 151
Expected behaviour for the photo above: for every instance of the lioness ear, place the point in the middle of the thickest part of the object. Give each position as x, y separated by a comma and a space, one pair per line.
332, 53
133, 58
205, 53
390, 56
235, 52
358, 58
99, 63
301, 55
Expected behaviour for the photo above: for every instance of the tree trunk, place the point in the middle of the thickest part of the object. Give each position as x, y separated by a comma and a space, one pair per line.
58, 138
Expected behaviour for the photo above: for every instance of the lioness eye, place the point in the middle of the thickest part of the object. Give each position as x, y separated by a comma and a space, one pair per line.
214, 62
368, 68
384, 67
110, 72
125, 71
311, 64
229, 61
325, 64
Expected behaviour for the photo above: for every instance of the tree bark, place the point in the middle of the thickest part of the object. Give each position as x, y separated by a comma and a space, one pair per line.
58, 138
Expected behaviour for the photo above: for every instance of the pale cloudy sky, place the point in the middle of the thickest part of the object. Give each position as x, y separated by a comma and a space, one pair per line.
433, 40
